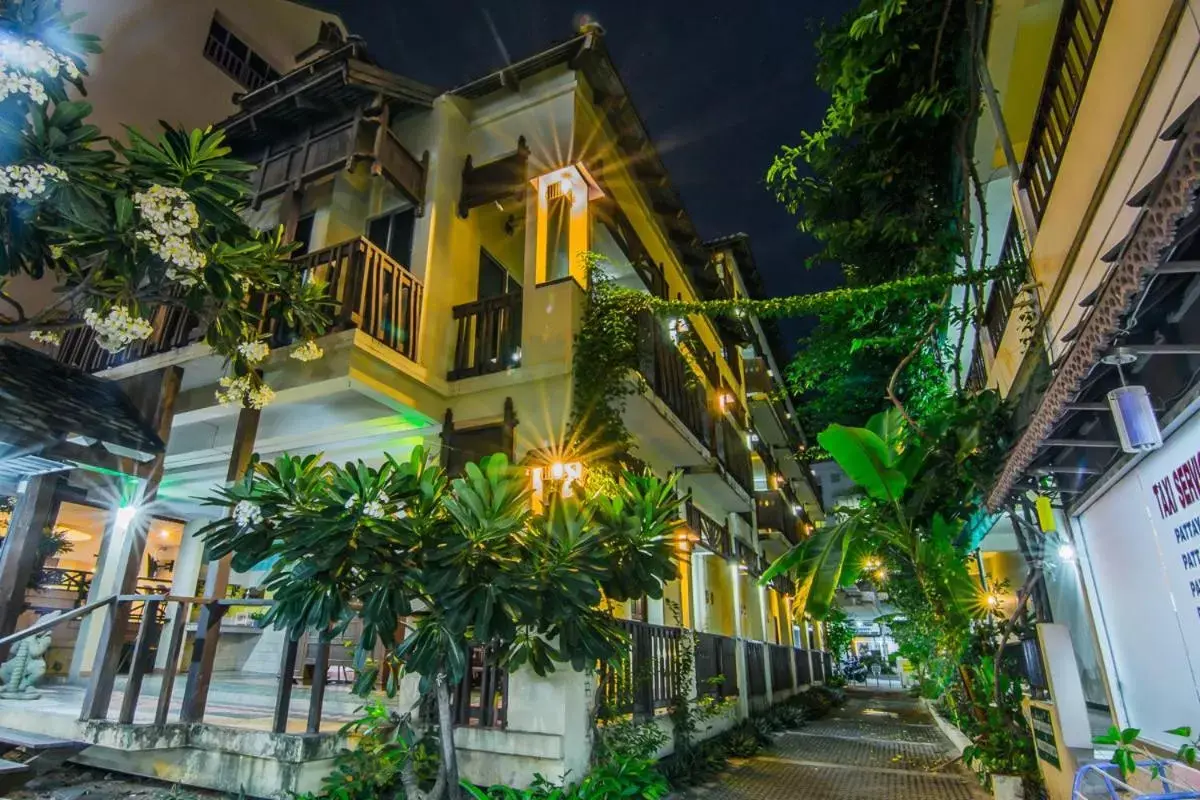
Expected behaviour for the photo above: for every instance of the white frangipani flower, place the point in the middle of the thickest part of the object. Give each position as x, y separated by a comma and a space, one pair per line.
242, 391
25, 64
27, 181
172, 219
254, 351
117, 329
309, 351
246, 514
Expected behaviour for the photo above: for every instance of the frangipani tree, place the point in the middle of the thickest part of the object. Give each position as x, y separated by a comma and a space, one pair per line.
448, 562
124, 228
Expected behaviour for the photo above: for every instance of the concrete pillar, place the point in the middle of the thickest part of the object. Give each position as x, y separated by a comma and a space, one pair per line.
208, 626
35, 511
739, 636
699, 587
183, 583
115, 547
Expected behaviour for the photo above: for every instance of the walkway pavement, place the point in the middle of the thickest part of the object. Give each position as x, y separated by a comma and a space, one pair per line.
881, 745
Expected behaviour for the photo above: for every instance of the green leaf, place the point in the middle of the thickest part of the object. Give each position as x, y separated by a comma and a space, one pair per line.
1184, 731
866, 459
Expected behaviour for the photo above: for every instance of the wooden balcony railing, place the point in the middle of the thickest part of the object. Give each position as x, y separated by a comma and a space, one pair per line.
648, 676
716, 665
371, 292
1006, 289
775, 513
756, 669
480, 699
671, 378
734, 455
757, 379
173, 327
713, 535
488, 338
781, 667
1080, 26
977, 373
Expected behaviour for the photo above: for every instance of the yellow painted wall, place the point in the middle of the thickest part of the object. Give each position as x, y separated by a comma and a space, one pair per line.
718, 610
1065, 275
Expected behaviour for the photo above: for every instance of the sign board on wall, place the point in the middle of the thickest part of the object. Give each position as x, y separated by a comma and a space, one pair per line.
1043, 735
1141, 560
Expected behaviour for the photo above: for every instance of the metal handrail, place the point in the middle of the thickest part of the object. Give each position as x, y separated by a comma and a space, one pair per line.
48, 624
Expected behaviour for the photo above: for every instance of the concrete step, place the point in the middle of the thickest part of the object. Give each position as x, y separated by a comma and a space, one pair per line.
13, 775
30, 742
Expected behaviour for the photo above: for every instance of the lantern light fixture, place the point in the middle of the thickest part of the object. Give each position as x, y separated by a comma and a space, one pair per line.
1133, 413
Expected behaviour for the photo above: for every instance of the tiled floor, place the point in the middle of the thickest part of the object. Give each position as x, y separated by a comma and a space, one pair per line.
880, 746
239, 701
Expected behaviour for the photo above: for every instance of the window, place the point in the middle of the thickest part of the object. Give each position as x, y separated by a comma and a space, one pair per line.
303, 235
494, 279
236, 59
393, 234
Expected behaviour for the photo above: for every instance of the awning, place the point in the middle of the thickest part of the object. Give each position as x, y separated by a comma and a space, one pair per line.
1138, 308
53, 416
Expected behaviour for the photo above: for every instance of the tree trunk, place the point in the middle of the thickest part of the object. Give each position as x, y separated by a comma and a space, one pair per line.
446, 728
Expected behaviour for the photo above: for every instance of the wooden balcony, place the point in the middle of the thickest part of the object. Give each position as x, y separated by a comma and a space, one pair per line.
173, 327
370, 292
714, 536
670, 377
1081, 24
775, 514
488, 337
734, 455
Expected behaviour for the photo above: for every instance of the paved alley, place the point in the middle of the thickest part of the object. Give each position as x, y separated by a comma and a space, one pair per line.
880, 745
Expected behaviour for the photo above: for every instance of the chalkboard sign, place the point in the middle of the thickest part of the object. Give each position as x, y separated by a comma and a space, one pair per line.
1043, 735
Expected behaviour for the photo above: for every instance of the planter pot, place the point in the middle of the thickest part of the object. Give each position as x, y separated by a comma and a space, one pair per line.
1007, 787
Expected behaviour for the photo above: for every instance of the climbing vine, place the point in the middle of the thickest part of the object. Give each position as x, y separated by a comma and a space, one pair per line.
608, 350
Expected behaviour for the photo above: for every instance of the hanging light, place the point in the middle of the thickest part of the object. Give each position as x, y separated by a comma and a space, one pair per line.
1133, 413
1045, 514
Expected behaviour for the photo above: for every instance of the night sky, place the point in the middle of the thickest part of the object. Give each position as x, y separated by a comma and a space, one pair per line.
720, 86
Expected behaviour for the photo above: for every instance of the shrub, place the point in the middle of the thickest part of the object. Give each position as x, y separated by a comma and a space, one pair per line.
745, 740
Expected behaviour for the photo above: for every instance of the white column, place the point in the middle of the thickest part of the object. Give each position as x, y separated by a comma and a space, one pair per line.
183, 582
105, 582
699, 587
739, 638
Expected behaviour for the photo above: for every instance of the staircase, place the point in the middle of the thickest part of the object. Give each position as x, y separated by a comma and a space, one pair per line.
24, 756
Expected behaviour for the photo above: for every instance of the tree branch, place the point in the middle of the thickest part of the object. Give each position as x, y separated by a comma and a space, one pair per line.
12, 301
904, 362
937, 43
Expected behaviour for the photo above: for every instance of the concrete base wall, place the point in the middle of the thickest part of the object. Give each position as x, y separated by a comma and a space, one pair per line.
257, 763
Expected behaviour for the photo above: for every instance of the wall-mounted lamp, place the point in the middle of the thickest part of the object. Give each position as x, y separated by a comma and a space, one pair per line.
558, 478
124, 517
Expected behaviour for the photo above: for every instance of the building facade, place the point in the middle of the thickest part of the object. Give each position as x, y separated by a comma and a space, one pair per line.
1089, 157
452, 229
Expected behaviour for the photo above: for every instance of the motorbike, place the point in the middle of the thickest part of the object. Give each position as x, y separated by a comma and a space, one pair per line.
854, 670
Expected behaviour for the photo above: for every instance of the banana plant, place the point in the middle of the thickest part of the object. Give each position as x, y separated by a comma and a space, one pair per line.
885, 460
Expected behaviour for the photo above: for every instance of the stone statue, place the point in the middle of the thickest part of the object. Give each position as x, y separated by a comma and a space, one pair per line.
25, 666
